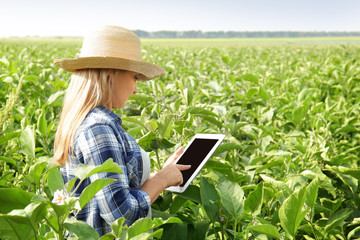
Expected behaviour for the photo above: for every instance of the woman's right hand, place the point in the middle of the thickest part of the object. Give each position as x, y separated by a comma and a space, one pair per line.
171, 174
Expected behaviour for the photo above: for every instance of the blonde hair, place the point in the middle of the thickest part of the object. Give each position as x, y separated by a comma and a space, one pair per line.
88, 89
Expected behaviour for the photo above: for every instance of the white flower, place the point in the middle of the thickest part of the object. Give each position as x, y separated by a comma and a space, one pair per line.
59, 197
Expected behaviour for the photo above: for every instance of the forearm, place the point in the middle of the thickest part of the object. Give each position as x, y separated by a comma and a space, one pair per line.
153, 187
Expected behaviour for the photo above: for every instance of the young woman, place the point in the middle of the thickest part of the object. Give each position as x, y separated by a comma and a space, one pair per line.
104, 77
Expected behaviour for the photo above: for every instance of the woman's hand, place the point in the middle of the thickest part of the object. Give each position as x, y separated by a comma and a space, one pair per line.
171, 173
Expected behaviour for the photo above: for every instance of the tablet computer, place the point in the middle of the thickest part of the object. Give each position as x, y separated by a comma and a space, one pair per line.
196, 154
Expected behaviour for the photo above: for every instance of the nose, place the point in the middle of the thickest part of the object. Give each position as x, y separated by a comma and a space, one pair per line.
135, 91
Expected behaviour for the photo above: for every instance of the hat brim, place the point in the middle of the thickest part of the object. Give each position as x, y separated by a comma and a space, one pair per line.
146, 69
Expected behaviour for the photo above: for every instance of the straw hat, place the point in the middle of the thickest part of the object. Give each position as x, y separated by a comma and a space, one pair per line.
112, 47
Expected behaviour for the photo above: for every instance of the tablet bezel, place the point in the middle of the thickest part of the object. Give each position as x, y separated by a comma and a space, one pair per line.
219, 137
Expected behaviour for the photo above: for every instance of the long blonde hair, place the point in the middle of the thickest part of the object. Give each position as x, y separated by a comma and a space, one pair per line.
88, 89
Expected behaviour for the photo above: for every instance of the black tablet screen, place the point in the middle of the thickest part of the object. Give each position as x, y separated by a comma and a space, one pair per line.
194, 155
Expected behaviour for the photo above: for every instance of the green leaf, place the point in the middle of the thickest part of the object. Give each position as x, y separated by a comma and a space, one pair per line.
312, 192
165, 144
84, 171
15, 227
6, 178
292, 211
161, 214
81, 229
36, 212
70, 184
250, 78
145, 224
175, 231
212, 120
325, 181
60, 210
117, 227
192, 193
42, 124
109, 236
148, 142
55, 180
349, 180
176, 204
209, 196
36, 171
225, 59
9, 136
277, 185
299, 114
55, 99
134, 120
147, 235
263, 93
27, 140
354, 172
232, 198
8, 160
14, 198
337, 218
141, 97
139, 226
200, 111
164, 126
92, 189
201, 228
255, 200
22, 223
225, 147
156, 234
266, 229
353, 232
251, 92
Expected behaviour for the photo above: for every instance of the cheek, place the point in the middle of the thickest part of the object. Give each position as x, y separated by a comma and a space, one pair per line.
131, 86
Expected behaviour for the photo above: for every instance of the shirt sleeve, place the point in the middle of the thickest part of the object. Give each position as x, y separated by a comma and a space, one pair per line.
97, 144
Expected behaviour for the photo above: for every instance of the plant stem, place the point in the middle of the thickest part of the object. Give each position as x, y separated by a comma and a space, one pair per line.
61, 230
312, 228
50, 225
235, 227
157, 154
77, 187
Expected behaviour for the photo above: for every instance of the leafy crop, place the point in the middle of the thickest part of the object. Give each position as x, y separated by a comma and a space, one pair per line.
288, 168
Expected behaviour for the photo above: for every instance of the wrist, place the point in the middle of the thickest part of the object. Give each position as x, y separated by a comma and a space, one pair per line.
160, 181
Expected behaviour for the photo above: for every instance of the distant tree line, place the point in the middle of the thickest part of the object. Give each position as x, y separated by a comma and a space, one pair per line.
246, 34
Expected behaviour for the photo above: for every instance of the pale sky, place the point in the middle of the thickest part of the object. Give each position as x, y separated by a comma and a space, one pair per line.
76, 17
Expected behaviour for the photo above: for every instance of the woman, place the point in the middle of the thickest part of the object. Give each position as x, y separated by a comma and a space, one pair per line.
104, 77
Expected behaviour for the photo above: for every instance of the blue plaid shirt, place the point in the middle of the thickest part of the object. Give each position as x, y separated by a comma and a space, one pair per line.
99, 138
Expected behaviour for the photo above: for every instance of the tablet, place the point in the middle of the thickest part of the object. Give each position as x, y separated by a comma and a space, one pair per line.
196, 154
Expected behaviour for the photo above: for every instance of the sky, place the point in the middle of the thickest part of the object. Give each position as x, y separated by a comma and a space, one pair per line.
76, 17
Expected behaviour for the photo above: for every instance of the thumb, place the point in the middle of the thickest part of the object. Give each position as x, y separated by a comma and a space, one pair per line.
176, 154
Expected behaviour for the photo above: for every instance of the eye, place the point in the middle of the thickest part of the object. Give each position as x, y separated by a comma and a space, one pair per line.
136, 77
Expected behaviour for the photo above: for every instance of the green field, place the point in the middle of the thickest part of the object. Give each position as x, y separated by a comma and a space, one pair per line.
215, 42
240, 42
287, 169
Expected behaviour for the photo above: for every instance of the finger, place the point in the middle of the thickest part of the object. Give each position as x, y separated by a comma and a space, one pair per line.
180, 179
183, 167
173, 157
176, 154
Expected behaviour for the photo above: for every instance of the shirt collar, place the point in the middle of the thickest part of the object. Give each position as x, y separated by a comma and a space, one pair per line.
109, 113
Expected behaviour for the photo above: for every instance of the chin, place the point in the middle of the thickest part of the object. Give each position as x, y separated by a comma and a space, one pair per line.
118, 106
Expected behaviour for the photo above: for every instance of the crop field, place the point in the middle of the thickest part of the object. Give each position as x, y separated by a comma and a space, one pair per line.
287, 169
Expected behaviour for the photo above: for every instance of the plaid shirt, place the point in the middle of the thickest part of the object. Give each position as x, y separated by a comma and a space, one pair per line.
99, 138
